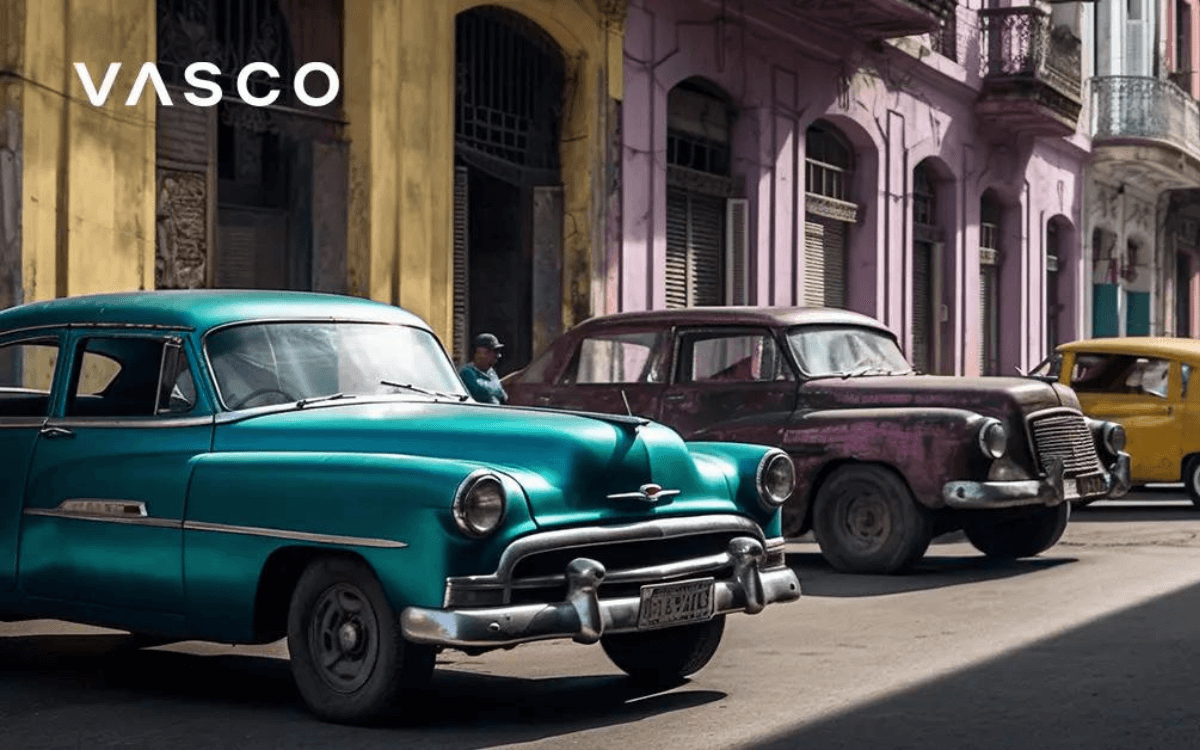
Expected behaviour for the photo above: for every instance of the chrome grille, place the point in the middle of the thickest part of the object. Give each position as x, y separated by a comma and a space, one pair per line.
1066, 437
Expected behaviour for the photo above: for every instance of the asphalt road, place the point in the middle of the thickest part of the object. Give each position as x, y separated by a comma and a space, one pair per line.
1093, 645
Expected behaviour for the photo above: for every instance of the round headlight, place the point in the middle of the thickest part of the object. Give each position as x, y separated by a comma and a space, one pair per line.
776, 479
1114, 437
479, 505
993, 439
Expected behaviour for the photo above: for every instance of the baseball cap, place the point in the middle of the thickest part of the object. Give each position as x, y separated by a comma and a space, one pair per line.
488, 341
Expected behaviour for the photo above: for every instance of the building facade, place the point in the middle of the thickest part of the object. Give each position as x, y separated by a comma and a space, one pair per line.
915, 160
1142, 224
460, 171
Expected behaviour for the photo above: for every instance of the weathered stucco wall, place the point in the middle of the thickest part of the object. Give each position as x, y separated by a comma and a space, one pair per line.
897, 105
12, 22
88, 172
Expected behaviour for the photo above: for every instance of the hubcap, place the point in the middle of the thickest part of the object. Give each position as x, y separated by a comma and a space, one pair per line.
866, 522
343, 637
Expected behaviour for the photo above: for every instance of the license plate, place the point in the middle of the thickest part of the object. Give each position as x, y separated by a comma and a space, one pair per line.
1091, 485
666, 604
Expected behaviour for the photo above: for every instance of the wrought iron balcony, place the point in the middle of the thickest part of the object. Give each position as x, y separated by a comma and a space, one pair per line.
1141, 108
1031, 72
874, 19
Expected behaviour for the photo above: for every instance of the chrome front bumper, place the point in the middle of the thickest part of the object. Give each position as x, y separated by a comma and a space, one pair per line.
1051, 490
584, 616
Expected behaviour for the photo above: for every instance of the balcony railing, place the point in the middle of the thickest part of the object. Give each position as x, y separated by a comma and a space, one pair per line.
1146, 108
1021, 46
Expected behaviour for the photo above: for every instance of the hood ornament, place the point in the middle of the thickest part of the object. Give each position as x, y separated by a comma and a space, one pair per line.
647, 493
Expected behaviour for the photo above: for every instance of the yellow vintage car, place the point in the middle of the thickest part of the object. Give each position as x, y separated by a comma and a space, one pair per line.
1142, 383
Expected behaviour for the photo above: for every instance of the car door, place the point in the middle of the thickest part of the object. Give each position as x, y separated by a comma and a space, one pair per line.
105, 501
27, 367
616, 371
734, 380
1144, 395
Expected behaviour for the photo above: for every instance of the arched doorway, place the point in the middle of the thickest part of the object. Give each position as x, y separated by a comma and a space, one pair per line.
707, 228
1106, 289
926, 268
508, 197
829, 213
990, 214
250, 196
1059, 271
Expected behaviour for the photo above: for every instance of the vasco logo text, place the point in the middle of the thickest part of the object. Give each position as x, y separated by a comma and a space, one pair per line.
192, 74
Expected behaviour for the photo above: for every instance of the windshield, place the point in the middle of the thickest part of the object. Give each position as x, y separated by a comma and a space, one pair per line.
276, 363
846, 351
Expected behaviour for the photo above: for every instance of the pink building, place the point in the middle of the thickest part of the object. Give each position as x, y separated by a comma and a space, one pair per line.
916, 160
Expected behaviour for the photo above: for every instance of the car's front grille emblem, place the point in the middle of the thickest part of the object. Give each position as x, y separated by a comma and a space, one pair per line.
648, 493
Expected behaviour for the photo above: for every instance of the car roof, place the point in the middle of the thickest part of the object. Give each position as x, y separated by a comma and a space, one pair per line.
198, 309
1156, 346
742, 315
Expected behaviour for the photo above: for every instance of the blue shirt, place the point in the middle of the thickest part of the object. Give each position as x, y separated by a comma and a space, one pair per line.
484, 386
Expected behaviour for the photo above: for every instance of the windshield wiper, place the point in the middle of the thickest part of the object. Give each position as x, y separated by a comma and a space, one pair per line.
426, 391
871, 371
316, 399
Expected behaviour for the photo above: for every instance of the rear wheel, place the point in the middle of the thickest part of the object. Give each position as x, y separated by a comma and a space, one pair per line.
349, 659
665, 657
867, 521
1007, 534
1191, 479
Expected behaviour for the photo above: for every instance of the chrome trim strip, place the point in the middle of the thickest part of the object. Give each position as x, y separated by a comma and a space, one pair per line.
302, 536
132, 422
107, 511
665, 572
12, 423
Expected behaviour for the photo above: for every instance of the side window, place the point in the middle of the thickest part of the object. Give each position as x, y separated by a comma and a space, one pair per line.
1120, 373
619, 358
26, 373
129, 377
726, 358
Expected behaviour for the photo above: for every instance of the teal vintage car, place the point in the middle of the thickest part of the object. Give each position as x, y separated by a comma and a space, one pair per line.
243, 466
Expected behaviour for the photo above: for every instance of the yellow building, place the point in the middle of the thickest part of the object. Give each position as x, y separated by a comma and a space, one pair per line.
462, 171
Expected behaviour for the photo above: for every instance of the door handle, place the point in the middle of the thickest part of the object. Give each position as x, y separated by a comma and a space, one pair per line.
543, 400
675, 397
57, 432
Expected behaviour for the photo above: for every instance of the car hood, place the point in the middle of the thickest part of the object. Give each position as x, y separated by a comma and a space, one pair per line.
1003, 398
568, 463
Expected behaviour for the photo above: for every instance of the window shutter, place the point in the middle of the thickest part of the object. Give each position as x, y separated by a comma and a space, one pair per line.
677, 243
814, 263
461, 277
921, 317
707, 224
987, 308
737, 251
835, 263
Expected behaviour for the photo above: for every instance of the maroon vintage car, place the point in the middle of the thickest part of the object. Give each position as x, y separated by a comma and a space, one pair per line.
887, 459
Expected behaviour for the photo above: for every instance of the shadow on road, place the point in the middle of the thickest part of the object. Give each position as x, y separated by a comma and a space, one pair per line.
1133, 512
1125, 681
99, 691
934, 571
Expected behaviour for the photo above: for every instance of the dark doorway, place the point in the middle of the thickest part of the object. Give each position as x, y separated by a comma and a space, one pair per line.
250, 196
1183, 295
508, 201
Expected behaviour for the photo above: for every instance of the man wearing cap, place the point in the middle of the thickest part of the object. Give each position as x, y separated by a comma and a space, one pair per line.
479, 375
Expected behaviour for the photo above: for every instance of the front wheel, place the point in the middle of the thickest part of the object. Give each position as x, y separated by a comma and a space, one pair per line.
1191, 479
1008, 535
665, 657
867, 521
349, 659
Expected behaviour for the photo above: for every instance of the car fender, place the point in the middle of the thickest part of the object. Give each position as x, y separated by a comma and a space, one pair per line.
393, 511
927, 447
